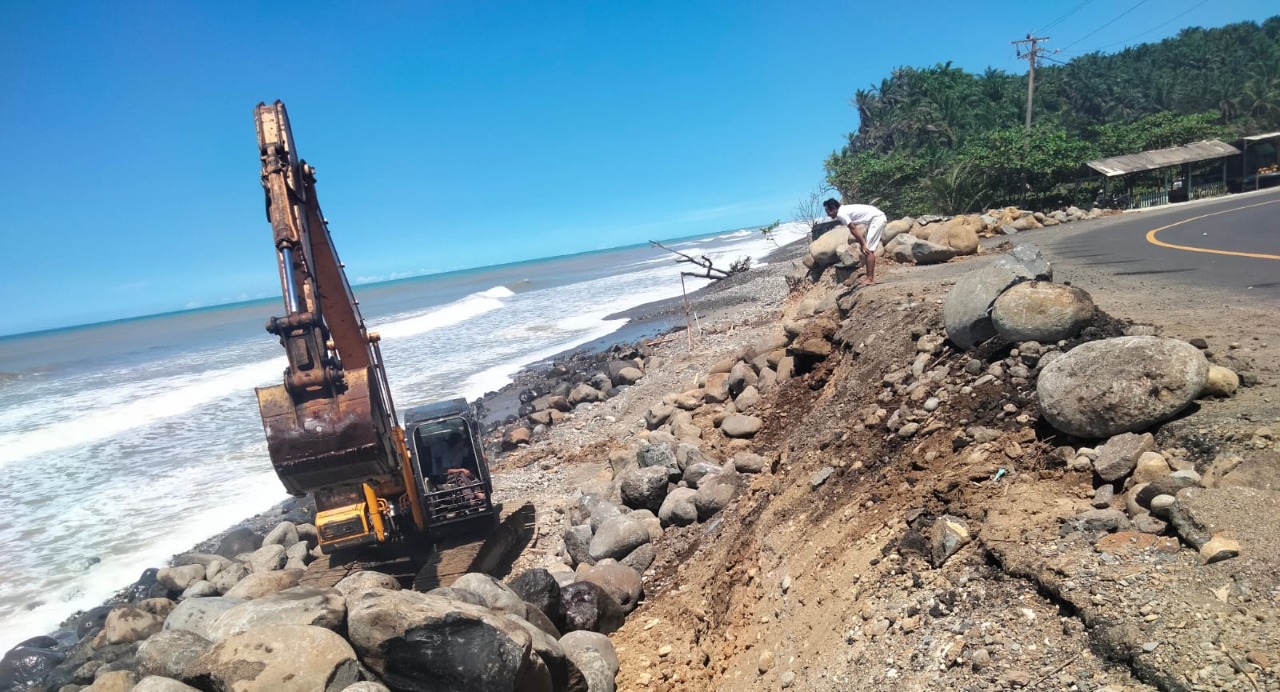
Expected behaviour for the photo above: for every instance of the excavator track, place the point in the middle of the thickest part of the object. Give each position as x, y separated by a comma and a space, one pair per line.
424, 566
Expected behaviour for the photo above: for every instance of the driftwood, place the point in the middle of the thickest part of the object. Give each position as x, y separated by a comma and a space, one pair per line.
709, 271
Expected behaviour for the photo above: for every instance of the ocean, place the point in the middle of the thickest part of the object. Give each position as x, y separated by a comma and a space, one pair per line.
126, 442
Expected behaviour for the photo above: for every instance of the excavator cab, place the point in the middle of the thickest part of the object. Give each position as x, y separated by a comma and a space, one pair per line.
446, 451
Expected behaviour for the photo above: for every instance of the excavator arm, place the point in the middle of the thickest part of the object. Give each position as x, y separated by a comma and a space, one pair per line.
331, 425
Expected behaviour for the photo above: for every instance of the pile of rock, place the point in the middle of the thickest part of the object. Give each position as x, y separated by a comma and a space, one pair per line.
1140, 488
240, 620
935, 239
555, 401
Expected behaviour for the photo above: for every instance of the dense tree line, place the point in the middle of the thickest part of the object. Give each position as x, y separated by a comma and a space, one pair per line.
940, 139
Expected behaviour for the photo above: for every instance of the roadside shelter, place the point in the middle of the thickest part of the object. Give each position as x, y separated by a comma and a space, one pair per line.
1190, 171
1259, 165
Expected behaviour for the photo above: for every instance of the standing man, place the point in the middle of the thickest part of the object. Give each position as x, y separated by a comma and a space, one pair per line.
854, 216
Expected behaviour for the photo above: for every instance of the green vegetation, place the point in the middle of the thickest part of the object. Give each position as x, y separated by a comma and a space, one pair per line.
943, 140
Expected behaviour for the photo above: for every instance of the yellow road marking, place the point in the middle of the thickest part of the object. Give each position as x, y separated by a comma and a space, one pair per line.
1151, 235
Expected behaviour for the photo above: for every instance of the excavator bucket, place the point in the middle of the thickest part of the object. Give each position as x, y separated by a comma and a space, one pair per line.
327, 441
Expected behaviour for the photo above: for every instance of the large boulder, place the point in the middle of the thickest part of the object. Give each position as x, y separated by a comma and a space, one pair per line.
1041, 311
229, 576
1129, 383
824, 249
198, 614
128, 623
617, 579
27, 664
265, 559
594, 655
715, 492
693, 473
168, 653
966, 311
181, 577
362, 580
678, 509
238, 541
644, 488
958, 234
660, 455
564, 675
541, 590
301, 605
739, 425
285, 534
586, 606
716, 389
284, 658
617, 537
584, 394
896, 228
260, 584
416, 641
925, 252
493, 594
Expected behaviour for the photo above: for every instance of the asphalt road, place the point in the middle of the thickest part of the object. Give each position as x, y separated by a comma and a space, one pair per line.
1231, 243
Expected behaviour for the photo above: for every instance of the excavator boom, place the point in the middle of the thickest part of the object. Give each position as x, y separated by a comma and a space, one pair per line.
330, 425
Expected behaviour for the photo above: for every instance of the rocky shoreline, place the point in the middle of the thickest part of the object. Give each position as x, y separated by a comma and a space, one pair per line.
918, 485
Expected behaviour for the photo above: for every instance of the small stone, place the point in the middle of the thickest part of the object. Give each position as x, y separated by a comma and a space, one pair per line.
908, 430
788, 679
766, 662
931, 404
664, 651
1103, 496
1150, 646
1219, 548
1150, 466
1162, 505
821, 477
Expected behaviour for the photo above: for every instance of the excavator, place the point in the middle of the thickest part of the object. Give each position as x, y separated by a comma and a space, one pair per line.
412, 500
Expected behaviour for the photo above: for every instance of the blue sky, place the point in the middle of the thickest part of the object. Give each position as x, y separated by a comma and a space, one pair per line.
446, 134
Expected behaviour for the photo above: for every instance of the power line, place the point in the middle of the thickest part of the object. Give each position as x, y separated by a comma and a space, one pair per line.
1059, 20
1155, 28
1113, 21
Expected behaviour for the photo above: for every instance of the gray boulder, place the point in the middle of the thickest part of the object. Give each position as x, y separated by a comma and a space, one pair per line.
679, 509
265, 559
658, 455
741, 426
229, 576
641, 558
927, 251
644, 488
595, 656
197, 614
585, 393
494, 594
749, 462
694, 473
416, 641
179, 578
300, 605
577, 544
260, 584
285, 658
564, 675
359, 581
618, 580
1119, 455
617, 537
168, 653
1103, 388
1041, 311
285, 534
657, 415
715, 493
966, 311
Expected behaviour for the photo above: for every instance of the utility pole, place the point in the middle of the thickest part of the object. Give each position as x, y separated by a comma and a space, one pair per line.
1030, 54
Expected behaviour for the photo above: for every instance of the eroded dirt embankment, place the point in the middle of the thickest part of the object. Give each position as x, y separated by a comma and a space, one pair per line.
825, 575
